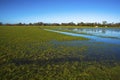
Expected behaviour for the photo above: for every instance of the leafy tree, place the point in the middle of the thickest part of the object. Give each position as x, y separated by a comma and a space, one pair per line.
30, 24
1, 23
104, 22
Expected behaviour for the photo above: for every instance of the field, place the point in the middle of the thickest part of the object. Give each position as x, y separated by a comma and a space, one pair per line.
32, 53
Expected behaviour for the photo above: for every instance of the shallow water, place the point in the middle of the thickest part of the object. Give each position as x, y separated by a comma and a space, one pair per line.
97, 48
92, 37
104, 32
93, 51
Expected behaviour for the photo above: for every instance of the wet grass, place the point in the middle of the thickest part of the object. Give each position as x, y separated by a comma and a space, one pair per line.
28, 53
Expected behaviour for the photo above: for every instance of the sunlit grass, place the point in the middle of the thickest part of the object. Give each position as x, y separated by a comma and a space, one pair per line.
27, 53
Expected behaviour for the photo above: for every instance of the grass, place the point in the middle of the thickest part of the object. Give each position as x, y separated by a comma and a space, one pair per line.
26, 53
36, 33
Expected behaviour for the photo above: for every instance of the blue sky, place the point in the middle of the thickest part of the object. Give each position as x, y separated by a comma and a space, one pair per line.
58, 11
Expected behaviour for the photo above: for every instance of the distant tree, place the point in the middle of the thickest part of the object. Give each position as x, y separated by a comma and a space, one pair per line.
68, 24
46, 24
81, 24
71, 24
1, 23
8, 24
19, 24
30, 24
39, 24
24, 24
55, 24
64, 24
117, 25
104, 22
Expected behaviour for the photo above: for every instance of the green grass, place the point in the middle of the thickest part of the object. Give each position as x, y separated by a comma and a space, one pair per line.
26, 53
33, 34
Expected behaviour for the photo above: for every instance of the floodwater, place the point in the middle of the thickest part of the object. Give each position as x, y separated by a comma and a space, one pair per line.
107, 35
103, 32
97, 48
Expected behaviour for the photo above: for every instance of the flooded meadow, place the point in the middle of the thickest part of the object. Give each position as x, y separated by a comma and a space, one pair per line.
59, 53
103, 43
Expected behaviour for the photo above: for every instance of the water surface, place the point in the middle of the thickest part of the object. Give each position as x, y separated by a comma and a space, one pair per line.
110, 40
96, 49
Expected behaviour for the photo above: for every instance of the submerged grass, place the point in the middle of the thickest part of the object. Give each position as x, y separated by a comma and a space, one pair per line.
26, 53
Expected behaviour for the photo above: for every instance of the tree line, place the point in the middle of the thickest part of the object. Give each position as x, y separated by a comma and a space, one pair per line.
103, 24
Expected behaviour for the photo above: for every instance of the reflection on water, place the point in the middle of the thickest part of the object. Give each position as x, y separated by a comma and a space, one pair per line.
94, 51
94, 32
104, 32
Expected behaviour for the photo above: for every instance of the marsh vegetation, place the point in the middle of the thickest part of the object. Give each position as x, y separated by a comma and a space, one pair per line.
32, 53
